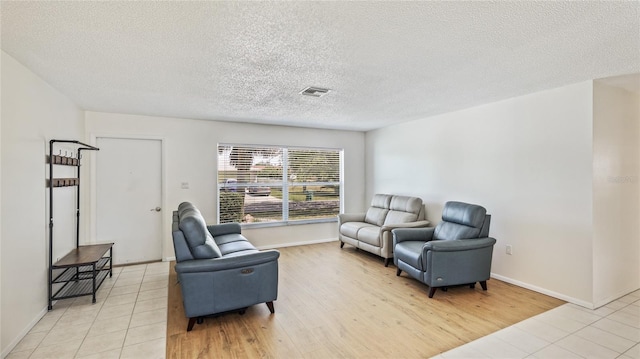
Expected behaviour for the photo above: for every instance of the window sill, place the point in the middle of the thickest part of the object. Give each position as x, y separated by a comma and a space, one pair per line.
288, 223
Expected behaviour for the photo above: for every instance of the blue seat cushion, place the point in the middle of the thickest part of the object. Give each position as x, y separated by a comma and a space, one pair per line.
238, 246
229, 238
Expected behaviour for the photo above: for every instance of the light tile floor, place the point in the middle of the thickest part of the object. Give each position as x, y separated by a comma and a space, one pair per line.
129, 320
568, 331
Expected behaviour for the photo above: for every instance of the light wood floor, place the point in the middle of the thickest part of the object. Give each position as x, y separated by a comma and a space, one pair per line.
343, 303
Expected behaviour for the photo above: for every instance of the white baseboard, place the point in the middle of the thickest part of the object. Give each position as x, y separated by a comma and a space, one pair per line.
293, 244
613, 297
23, 333
550, 293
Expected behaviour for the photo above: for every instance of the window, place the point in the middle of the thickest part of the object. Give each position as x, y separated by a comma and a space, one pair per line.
278, 184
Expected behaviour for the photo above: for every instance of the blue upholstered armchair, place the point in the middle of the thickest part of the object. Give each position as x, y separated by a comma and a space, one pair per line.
457, 251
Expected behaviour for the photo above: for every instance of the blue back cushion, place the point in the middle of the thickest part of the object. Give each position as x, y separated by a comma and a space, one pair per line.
198, 238
460, 221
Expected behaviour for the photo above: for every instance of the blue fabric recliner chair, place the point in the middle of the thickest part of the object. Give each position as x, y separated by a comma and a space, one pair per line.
219, 270
457, 251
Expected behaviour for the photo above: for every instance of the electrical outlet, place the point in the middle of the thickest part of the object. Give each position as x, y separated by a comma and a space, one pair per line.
509, 249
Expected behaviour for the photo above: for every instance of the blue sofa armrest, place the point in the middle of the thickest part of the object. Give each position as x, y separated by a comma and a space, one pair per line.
225, 228
458, 261
212, 286
459, 244
423, 234
230, 262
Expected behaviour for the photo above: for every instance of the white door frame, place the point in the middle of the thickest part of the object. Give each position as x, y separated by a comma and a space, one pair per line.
93, 205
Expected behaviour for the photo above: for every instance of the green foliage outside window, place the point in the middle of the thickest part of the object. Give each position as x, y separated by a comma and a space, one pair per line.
231, 207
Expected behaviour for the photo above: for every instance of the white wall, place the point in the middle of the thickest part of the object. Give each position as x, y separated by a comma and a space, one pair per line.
616, 192
32, 113
191, 156
528, 160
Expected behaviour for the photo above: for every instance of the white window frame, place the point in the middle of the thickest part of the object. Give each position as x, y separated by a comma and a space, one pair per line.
285, 186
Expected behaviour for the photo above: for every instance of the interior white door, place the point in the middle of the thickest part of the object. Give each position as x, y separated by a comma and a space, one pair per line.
129, 198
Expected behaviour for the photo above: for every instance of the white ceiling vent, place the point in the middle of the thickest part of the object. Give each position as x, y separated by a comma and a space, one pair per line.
314, 91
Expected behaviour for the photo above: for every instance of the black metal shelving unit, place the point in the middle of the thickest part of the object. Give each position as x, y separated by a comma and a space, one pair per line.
84, 268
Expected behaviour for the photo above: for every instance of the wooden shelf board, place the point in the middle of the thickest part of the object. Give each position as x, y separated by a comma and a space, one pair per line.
83, 255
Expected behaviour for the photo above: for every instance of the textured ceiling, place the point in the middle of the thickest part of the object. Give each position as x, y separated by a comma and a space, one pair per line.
385, 62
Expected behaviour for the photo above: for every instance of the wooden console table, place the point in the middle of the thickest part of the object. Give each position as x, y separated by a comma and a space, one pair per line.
85, 268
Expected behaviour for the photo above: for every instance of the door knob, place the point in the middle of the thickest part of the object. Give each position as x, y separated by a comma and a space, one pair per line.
157, 209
